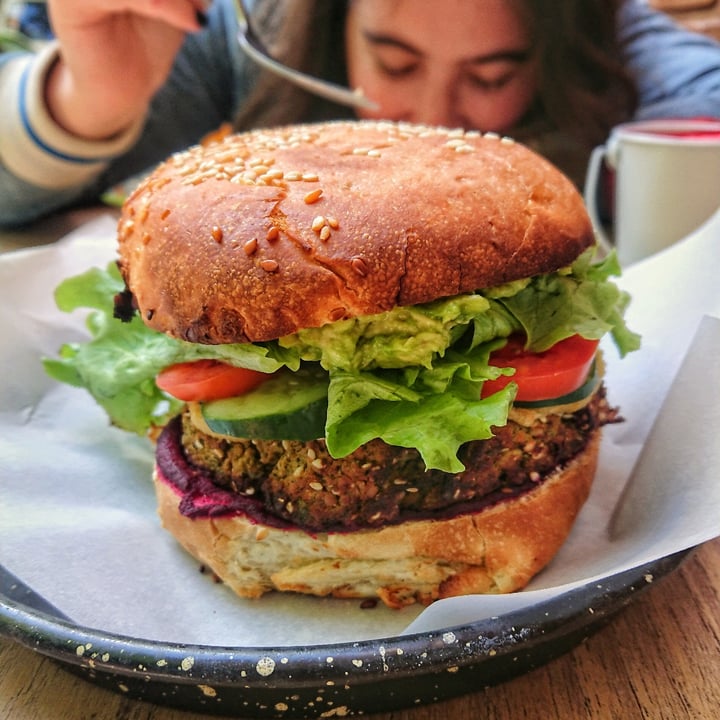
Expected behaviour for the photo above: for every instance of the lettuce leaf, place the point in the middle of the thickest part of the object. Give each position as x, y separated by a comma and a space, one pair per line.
118, 365
411, 376
409, 408
579, 300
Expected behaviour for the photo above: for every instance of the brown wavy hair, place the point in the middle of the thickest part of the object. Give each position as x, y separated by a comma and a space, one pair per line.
584, 88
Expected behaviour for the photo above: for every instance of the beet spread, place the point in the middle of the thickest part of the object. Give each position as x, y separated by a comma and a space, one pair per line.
200, 496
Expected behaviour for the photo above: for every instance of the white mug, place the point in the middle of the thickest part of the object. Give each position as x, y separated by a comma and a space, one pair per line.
666, 177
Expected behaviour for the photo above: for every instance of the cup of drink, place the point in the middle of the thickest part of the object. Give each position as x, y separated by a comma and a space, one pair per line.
660, 180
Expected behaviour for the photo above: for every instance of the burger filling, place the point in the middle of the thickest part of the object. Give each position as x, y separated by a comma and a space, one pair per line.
437, 382
377, 484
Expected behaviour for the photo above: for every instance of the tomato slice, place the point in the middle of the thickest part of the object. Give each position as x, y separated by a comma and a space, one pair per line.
541, 376
205, 380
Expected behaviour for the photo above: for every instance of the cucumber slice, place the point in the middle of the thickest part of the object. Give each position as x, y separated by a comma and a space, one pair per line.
585, 390
288, 406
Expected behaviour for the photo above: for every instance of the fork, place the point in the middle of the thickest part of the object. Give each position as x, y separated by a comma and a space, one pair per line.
256, 50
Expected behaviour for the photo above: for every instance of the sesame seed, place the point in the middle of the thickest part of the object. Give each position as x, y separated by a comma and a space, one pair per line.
309, 177
261, 533
359, 266
311, 454
332, 222
318, 223
146, 238
293, 176
269, 266
411, 490
250, 246
316, 486
217, 234
165, 213
507, 141
273, 234
317, 464
325, 233
337, 314
313, 196
225, 157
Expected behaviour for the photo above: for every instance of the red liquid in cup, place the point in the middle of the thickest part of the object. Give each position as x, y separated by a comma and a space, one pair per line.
695, 129
689, 134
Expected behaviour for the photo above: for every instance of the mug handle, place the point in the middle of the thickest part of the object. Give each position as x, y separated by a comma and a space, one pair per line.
592, 178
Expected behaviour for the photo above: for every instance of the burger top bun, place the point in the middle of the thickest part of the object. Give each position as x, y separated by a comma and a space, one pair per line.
265, 233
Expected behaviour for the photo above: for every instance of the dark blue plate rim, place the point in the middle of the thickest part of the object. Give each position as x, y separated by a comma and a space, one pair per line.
325, 680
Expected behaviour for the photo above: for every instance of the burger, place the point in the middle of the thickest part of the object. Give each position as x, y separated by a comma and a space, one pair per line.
367, 353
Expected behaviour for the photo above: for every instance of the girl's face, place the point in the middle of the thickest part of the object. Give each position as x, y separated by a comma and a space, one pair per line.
458, 63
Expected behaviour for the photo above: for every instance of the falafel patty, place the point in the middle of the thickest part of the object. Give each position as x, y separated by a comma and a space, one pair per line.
379, 484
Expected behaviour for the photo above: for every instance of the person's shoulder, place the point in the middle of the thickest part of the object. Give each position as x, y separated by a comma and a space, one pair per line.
640, 12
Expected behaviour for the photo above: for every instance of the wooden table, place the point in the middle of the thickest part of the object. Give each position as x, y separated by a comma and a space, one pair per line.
660, 658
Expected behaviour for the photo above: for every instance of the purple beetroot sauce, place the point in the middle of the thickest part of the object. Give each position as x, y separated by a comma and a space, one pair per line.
200, 496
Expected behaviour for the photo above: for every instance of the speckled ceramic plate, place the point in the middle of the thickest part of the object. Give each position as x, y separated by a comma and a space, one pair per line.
336, 680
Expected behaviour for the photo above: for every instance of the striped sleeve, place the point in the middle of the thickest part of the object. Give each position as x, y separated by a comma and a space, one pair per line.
32, 146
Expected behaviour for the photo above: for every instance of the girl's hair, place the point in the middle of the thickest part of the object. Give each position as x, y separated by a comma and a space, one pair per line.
584, 88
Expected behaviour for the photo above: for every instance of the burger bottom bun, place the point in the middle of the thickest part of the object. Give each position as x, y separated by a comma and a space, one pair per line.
497, 549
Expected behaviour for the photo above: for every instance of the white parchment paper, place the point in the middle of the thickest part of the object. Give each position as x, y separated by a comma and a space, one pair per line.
77, 509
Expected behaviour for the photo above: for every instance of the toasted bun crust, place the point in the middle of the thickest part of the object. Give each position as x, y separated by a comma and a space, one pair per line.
495, 550
222, 243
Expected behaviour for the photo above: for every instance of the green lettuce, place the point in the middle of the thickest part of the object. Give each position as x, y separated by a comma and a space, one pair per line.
411, 376
118, 365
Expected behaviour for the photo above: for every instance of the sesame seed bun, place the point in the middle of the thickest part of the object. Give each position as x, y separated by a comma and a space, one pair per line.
223, 243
